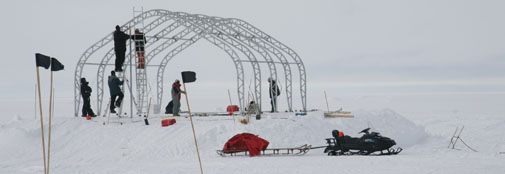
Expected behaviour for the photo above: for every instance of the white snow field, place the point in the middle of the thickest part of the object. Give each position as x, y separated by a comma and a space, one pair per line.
83, 146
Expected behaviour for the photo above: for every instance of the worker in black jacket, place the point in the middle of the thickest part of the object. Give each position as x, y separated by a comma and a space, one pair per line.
274, 91
86, 93
120, 39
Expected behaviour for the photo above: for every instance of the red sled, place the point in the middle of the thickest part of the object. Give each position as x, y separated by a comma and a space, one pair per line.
232, 108
168, 122
246, 142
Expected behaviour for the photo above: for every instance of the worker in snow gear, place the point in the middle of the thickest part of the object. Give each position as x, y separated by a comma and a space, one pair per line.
140, 41
169, 108
115, 91
274, 91
120, 47
338, 136
176, 97
253, 108
86, 93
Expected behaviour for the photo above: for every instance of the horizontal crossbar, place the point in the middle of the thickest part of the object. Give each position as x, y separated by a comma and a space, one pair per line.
113, 64
173, 38
262, 61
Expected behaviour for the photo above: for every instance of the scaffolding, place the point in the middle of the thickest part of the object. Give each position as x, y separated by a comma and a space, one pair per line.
176, 31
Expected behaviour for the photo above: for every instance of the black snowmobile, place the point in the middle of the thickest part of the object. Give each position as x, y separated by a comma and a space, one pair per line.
366, 145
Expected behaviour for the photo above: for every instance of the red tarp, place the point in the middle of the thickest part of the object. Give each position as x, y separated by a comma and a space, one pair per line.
246, 141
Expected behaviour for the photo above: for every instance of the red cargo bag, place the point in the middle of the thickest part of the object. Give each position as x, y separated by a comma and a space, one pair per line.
232, 108
167, 122
246, 141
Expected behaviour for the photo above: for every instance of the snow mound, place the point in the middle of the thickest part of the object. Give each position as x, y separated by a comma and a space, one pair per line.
75, 139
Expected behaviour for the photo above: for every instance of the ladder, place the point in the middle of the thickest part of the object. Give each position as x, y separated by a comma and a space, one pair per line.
140, 70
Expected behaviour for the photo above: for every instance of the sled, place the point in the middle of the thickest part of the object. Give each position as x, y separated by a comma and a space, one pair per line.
301, 150
338, 114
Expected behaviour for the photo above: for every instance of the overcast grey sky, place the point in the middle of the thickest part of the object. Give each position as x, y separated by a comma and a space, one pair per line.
346, 45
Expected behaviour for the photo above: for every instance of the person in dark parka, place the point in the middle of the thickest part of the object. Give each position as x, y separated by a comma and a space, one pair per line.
274, 91
140, 41
120, 39
176, 97
115, 91
86, 93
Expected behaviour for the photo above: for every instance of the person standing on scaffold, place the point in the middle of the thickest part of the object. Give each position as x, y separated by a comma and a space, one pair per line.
120, 39
140, 41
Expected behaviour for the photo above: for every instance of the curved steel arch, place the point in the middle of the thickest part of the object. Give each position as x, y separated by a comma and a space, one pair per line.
97, 46
230, 52
213, 22
110, 54
260, 48
239, 46
299, 63
246, 36
203, 33
233, 55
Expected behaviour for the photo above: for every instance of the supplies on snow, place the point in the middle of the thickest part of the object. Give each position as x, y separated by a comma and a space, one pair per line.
232, 108
336, 114
167, 122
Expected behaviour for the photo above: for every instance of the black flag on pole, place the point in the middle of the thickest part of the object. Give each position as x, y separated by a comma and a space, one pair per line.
42, 60
56, 65
188, 76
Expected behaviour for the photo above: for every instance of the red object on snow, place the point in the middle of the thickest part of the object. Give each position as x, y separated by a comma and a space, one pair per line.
167, 122
232, 108
246, 141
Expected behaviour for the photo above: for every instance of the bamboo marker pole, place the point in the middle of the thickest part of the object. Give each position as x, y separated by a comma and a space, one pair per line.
146, 121
50, 118
148, 107
131, 71
35, 102
257, 107
41, 122
327, 106
229, 96
193, 127
248, 108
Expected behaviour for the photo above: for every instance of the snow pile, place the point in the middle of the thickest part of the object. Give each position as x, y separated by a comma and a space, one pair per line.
84, 146
77, 138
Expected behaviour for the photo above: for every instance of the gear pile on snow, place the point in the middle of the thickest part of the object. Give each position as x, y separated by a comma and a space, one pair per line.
246, 142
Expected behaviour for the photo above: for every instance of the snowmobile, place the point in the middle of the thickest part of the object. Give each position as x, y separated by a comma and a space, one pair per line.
368, 144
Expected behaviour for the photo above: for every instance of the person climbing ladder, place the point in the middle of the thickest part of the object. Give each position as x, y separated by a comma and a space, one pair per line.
140, 41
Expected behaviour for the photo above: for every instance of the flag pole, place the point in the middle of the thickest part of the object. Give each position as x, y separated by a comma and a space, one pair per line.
50, 118
326, 98
35, 102
131, 71
248, 107
193, 127
41, 121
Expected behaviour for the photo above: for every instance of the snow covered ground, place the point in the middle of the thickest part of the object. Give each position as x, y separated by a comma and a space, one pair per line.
82, 146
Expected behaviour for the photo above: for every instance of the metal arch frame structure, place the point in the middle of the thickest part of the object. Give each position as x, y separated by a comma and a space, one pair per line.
228, 34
